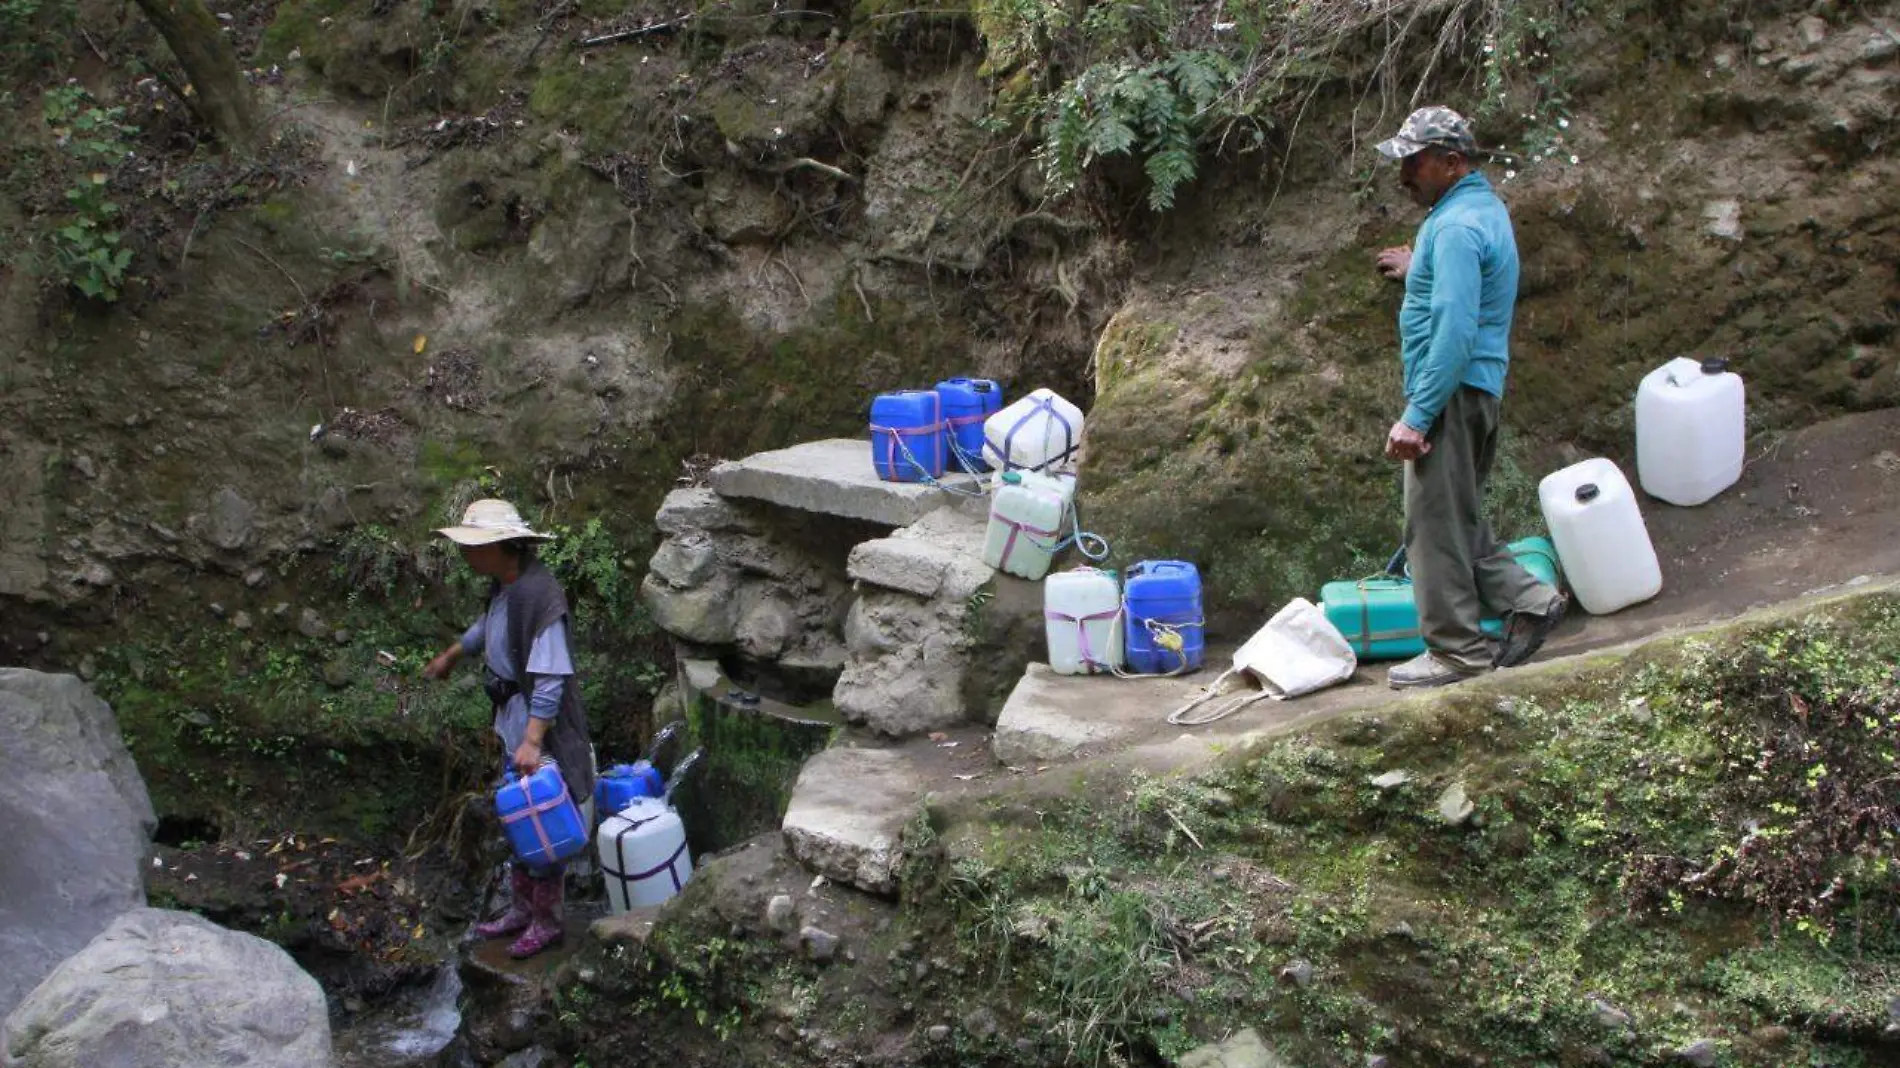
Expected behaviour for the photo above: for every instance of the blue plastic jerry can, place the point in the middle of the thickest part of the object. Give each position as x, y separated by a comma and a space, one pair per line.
1162, 602
967, 403
907, 436
543, 824
619, 785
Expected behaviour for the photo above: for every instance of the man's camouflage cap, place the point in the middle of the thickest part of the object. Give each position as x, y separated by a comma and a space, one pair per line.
1431, 127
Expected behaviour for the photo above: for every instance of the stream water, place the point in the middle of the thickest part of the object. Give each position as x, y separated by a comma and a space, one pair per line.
414, 1029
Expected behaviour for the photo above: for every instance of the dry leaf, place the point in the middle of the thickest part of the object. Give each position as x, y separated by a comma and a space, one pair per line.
422, 342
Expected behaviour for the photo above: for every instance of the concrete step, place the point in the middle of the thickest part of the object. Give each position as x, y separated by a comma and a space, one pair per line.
848, 812
832, 477
1051, 717
940, 554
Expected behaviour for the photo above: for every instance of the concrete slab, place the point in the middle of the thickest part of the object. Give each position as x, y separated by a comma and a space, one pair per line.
831, 477
1050, 717
847, 813
942, 553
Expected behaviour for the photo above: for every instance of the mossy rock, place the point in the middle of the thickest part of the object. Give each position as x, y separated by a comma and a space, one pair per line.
596, 100
1264, 470
749, 390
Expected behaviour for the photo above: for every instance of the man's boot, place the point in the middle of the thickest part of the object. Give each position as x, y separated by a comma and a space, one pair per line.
520, 911
548, 924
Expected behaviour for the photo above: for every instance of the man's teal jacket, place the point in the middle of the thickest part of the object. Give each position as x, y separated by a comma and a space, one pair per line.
1455, 322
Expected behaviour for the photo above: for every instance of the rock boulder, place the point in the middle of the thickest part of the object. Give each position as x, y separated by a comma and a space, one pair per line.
164, 989
78, 823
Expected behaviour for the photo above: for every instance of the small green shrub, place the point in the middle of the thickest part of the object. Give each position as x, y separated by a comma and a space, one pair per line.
88, 250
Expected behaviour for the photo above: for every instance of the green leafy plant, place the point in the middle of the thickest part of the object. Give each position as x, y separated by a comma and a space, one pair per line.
88, 250
1166, 85
1154, 111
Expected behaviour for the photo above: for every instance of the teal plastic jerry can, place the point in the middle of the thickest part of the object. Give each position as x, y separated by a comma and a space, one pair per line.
1379, 616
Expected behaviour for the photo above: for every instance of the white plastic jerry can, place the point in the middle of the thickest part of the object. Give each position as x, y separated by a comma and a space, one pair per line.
642, 848
643, 854
1082, 621
1039, 432
1600, 537
1691, 430
1026, 516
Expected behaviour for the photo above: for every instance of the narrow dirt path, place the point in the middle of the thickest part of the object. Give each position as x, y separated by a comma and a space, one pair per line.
1815, 510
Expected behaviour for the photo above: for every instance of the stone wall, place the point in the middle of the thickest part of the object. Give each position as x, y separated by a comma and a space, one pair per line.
917, 632
763, 582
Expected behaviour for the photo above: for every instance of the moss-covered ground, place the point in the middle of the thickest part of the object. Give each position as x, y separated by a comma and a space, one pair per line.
1606, 863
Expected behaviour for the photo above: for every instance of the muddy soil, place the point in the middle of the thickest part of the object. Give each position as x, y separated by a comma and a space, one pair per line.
364, 921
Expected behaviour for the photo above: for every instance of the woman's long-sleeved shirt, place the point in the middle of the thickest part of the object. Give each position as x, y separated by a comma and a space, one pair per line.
549, 664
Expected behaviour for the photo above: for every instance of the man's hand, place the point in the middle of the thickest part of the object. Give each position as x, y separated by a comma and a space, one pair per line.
1404, 443
528, 758
1395, 262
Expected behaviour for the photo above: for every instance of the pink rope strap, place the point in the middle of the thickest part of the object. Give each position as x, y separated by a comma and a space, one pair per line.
1082, 633
531, 811
1016, 529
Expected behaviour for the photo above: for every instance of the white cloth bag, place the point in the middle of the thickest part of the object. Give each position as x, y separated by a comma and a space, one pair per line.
1297, 652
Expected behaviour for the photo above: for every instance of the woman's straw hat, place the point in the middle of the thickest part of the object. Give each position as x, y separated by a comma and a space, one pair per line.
489, 521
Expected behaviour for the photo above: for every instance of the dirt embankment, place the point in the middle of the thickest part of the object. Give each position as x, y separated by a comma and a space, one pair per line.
1709, 186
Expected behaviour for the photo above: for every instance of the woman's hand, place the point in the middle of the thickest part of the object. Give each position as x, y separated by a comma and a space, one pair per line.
440, 667
528, 758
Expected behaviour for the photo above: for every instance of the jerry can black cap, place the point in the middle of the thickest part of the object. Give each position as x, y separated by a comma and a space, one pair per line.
1714, 365
1587, 492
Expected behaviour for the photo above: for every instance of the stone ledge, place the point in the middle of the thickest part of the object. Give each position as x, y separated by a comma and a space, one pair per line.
632, 927
699, 510
939, 554
848, 812
1051, 717
832, 477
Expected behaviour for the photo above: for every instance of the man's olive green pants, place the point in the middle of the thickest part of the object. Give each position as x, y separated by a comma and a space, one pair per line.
1459, 570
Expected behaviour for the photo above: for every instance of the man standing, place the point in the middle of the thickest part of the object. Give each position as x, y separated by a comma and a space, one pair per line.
1460, 279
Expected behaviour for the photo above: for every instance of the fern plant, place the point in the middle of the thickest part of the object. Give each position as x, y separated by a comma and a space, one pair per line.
1158, 81
1155, 111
